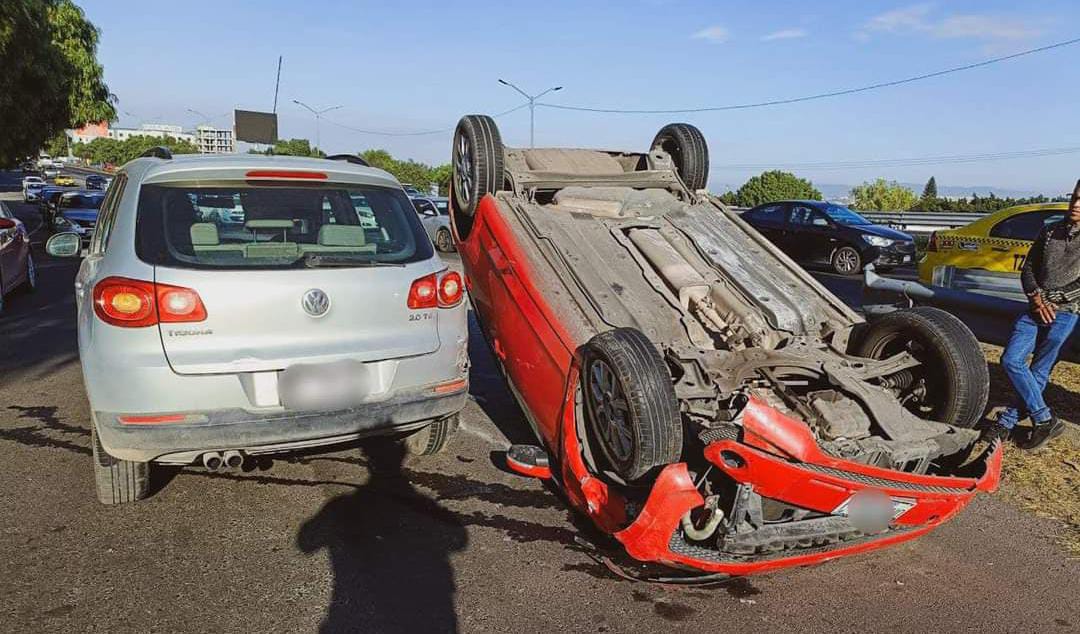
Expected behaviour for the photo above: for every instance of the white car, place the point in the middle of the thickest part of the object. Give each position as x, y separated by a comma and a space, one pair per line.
435, 216
30, 180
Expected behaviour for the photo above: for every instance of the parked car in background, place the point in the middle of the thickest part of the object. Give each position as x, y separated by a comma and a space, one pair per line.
77, 212
32, 191
65, 180
27, 181
698, 396
997, 243
815, 232
328, 318
50, 172
411, 190
16, 261
436, 221
49, 202
96, 181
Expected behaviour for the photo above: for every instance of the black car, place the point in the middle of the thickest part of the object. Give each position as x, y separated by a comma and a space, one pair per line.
96, 181
815, 232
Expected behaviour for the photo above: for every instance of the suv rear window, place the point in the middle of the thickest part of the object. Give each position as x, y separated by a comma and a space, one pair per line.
251, 226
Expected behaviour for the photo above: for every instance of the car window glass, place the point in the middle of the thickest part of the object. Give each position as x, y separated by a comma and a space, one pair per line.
107, 216
770, 213
4, 213
802, 215
1025, 226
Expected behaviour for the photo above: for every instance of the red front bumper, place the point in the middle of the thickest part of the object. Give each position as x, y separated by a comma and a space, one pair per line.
779, 458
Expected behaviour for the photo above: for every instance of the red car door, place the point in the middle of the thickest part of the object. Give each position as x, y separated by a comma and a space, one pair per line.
519, 325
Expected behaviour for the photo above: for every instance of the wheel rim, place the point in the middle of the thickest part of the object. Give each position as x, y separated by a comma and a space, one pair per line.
610, 413
463, 164
442, 240
847, 260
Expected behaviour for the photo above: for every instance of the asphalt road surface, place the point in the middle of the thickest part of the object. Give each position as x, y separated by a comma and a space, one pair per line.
354, 541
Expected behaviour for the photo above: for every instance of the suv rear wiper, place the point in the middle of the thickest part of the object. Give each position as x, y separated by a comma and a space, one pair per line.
313, 260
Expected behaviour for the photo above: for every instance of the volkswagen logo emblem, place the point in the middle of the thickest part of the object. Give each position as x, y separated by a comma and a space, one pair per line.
315, 302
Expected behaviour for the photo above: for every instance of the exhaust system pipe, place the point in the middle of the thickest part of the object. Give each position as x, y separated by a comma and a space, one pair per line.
233, 459
212, 460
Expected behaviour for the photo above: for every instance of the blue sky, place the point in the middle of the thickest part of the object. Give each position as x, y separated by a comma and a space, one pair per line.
407, 66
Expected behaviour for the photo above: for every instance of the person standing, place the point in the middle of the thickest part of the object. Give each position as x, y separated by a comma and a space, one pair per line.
1051, 281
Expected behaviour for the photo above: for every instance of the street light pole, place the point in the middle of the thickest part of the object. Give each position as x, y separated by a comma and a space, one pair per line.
318, 117
532, 107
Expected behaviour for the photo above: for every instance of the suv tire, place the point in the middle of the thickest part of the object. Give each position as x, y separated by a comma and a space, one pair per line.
432, 439
847, 261
953, 366
688, 150
630, 407
118, 481
477, 160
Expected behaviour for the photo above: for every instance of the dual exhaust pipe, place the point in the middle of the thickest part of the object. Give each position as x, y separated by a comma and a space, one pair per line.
215, 461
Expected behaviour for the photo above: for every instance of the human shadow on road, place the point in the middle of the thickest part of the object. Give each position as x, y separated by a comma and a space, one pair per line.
389, 548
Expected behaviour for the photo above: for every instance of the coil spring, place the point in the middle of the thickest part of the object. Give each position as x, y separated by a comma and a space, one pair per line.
899, 381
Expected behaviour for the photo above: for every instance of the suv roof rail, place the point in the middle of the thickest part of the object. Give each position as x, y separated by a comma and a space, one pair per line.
158, 151
348, 158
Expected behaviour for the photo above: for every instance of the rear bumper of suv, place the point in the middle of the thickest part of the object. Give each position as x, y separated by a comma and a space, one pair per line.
182, 437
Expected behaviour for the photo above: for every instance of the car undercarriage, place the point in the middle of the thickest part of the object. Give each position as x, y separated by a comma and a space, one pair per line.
699, 354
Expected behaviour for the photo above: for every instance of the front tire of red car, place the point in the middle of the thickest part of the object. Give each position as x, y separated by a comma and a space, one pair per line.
631, 411
477, 161
688, 150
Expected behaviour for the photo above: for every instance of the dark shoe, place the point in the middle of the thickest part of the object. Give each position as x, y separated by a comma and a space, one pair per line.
1042, 433
995, 431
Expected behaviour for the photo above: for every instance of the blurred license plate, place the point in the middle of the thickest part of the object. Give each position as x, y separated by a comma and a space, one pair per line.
907, 258
326, 386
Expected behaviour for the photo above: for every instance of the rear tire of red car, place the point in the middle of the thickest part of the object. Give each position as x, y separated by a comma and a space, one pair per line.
687, 148
953, 369
630, 407
433, 438
477, 160
118, 481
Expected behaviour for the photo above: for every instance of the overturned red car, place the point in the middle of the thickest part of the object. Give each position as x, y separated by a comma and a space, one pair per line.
694, 391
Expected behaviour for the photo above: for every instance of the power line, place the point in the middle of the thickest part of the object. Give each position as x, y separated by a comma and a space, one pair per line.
824, 95
421, 133
907, 162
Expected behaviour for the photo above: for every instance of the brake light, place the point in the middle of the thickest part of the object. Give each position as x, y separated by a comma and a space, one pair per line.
424, 292
129, 303
286, 174
450, 290
932, 244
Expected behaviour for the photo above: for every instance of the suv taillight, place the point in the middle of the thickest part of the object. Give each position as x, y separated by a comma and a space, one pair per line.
129, 303
436, 291
450, 290
931, 245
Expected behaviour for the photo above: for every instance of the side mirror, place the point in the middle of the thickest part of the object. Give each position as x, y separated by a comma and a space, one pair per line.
64, 245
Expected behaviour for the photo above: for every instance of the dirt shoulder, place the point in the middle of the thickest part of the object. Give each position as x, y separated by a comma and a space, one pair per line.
1045, 482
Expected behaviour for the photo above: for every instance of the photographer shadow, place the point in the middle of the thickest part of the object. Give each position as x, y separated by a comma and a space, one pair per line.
389, 548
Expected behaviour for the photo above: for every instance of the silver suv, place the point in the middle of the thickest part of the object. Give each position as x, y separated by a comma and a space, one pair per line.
323, 317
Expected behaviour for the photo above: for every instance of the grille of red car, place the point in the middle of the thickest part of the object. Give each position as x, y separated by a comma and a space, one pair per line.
882, 482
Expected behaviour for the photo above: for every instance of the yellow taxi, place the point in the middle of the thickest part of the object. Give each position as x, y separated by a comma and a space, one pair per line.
998, 242
64, 181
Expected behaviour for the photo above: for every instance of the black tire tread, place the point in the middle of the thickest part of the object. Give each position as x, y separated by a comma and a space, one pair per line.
487, 145
694, 165
650, 395
958, 347
117, 481
433, 438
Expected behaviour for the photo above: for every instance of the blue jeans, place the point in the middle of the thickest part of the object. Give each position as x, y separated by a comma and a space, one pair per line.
1045, 341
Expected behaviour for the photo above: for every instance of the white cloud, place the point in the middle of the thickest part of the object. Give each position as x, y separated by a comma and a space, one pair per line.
784, 34
716, 34
920, 18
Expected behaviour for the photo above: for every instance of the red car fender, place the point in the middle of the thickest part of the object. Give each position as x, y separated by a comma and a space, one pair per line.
673, 494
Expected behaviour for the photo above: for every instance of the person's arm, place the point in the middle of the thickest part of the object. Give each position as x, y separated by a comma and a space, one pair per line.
1031, 263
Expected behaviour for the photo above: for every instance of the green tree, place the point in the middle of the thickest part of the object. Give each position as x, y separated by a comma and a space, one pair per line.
421, 175
883, 195
105, 150
57, 145
729, 198
49, 75
775, 185
930, 191
293, 147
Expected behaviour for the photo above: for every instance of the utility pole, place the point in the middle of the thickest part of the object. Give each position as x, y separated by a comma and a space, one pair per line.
277, 83
318, 116
532, 107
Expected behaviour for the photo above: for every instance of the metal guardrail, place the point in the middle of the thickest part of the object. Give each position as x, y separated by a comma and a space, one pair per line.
921, 221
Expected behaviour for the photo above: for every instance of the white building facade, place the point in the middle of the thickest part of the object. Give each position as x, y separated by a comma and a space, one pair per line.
211, 140
159, 130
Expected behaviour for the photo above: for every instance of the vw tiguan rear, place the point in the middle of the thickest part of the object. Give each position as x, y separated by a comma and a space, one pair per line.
323, 317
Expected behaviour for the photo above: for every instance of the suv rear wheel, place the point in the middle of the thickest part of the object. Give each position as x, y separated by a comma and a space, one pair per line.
118, 481
688, 150
432, 439
630, 406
